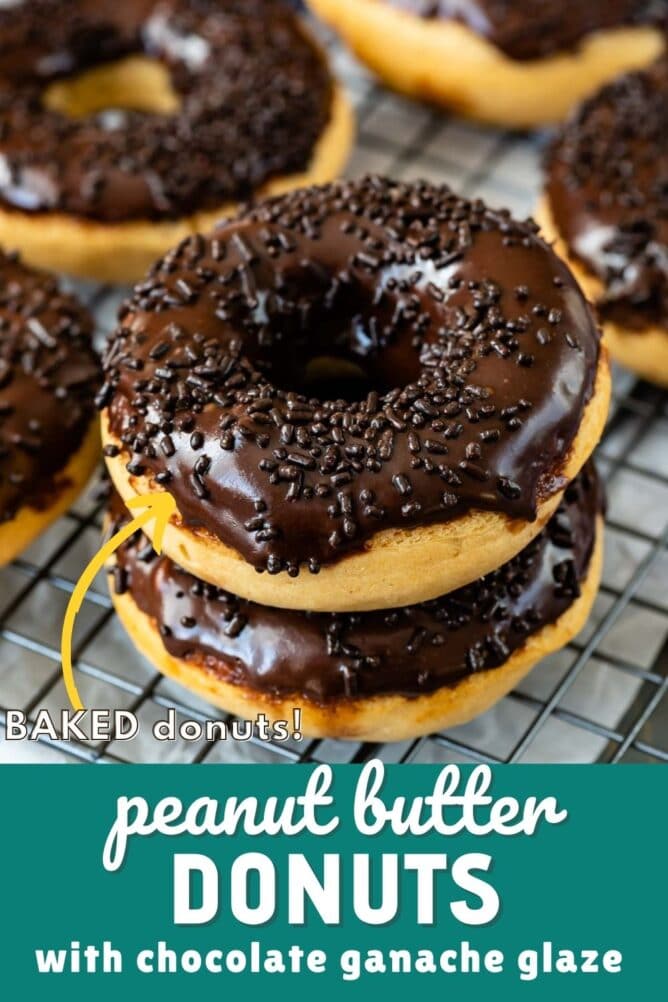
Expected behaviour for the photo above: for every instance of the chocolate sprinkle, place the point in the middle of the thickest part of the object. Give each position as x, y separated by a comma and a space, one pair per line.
535, 29
254, 95
49, 375
411, 650
260, 363
608, 193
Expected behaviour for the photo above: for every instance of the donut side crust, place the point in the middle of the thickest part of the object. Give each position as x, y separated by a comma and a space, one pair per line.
19, 532
644, 351
396, 567
123, 252
447, 63
377, 718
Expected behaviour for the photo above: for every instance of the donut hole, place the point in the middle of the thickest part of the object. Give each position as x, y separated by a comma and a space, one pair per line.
133, 84
333, 377
334, 354
329, 378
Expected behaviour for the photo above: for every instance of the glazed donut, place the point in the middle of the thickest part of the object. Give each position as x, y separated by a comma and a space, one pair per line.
49, 375
606, 208
108, 158
376, 676
513, 64
382, 384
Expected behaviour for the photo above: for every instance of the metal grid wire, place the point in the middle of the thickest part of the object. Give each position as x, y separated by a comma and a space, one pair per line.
604, 698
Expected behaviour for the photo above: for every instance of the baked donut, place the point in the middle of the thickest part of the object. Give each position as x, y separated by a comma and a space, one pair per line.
127, 124
49, 375
513, 64
376, 676
606, 209
376, 392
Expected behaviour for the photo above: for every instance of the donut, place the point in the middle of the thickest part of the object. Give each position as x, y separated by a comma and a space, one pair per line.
606, 209
518, 65
375, 676
370, 392
126, 125
49, 376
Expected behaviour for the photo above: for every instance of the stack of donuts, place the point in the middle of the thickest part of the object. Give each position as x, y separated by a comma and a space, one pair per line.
374, 404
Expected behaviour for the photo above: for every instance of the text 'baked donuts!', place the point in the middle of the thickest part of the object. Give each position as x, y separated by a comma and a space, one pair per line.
382, 384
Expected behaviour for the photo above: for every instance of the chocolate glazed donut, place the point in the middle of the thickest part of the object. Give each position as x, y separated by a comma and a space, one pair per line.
247, 100
606, 203
428, 666
518, 65
49, 376
538, 28
468, 389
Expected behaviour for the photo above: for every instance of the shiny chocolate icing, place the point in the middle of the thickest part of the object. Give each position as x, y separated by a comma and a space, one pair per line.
255, 96
474, 347
607, 188
331, 656
538, 28
49, 376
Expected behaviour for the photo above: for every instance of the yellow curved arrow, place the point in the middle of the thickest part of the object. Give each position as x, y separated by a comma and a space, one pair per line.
158, 508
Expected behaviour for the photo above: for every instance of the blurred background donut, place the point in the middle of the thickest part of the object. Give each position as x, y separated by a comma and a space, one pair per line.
126, 125
512, 64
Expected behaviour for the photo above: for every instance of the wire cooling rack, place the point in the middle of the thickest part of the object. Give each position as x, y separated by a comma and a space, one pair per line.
604, 698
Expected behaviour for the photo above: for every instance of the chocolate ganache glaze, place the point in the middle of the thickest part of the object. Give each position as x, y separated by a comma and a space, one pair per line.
473, 349
49, 376
608, 194
328, 656
534, 29
255, 96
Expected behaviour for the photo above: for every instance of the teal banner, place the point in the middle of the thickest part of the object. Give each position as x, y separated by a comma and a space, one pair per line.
340, 881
